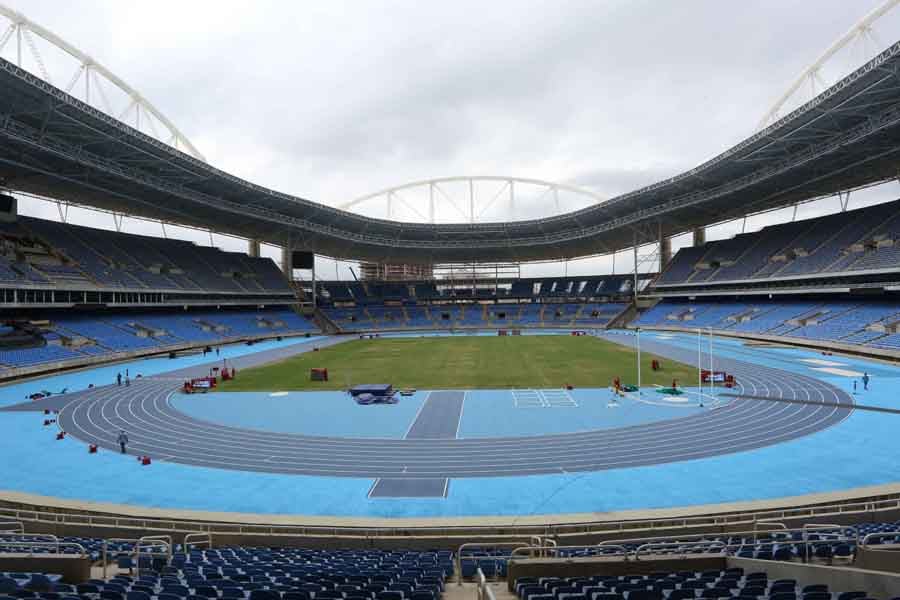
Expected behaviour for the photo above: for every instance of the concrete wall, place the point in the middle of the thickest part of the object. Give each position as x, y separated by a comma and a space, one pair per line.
585, 567
73, 569
878, 584
882, 558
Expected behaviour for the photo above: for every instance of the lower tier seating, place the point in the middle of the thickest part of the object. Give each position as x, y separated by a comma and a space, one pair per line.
70, 337
680, 585
447, 316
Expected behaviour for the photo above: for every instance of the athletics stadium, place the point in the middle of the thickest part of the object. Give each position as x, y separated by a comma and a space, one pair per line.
185, 421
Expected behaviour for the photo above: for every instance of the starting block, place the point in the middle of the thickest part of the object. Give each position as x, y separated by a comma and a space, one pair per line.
144, 460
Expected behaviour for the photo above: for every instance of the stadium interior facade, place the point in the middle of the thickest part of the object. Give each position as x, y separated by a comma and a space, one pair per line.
81, 305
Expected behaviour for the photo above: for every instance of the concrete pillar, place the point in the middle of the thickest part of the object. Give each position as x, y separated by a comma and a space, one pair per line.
253, 248
287, 262
665, 252
665, 249
699, 236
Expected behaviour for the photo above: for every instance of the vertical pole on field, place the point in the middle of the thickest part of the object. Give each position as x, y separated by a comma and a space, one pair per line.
712, 377
700, 364
639, 360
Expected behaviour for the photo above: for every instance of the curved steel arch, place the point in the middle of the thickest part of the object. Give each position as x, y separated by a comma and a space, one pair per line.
21, 23
862, 27
510, 181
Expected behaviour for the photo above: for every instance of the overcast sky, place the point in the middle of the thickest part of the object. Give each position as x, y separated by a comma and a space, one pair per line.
332, 100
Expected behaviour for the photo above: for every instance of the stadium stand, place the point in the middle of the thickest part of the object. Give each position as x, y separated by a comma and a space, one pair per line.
731, 582
526, 302
854, 322
69, 337
49, 253
473, 315
258, 573
862, 241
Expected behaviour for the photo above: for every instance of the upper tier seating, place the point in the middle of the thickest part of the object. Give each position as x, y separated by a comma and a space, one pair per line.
48, 252
858, 241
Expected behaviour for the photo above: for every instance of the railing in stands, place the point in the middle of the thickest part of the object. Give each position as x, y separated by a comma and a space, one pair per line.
145, 546
41, 538
482, 590
164, 539
681, 549
57, 547
197, 539
12, 527
868, 540
553, 551
469, 547
497, 532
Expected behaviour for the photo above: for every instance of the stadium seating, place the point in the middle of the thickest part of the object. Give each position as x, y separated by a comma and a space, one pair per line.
108, 334
52, 253
722, 583
854, 242
374, 317
846, 322
255, 574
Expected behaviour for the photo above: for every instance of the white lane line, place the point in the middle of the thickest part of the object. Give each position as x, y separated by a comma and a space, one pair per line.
460, 417
416, 418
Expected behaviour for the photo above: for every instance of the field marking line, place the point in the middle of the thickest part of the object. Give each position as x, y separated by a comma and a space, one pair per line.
416, 418
460, 417
372, 487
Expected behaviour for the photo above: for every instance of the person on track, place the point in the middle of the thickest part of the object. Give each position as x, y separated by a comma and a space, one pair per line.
123, 440
127, 381
119, 379
865, 379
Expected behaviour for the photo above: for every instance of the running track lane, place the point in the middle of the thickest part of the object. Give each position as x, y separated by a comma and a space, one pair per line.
156, 428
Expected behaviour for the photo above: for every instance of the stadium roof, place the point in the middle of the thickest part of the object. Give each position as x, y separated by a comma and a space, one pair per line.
56, 146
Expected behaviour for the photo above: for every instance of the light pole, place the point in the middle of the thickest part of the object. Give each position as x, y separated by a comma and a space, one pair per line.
639, 360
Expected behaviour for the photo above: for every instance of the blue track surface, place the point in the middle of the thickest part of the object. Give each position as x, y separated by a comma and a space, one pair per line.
495, 413
311, 413
824, 461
